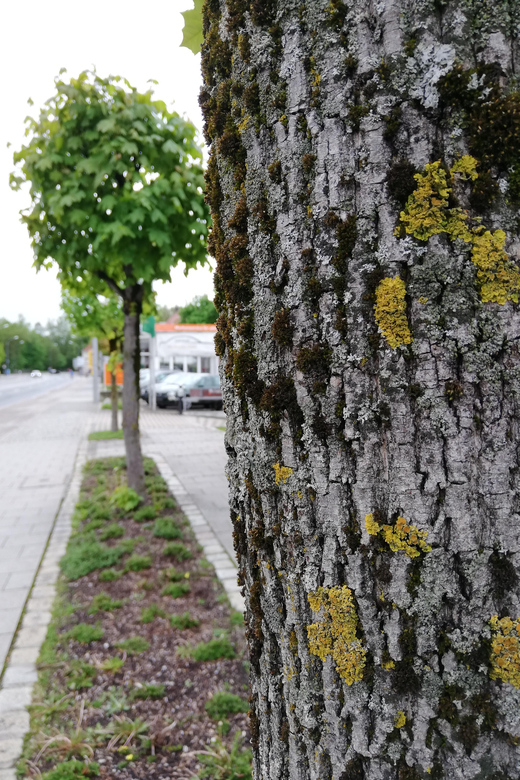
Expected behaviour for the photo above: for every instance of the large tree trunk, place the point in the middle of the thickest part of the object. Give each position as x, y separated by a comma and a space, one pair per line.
132, 303
371, 373
114, 396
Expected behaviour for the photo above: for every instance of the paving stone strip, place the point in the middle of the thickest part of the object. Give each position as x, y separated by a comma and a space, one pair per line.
20, 672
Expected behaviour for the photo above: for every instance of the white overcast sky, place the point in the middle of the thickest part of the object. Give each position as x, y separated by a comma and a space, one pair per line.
138, 40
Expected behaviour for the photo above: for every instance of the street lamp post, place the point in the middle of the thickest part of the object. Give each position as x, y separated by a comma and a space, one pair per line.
13, 338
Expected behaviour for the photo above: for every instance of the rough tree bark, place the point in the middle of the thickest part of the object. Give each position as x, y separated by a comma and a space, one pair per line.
132, 306
368, 330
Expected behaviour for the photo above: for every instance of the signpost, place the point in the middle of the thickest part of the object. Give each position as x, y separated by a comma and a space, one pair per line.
149, 327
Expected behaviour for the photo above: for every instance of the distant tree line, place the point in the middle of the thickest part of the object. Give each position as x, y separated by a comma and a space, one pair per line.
44, 346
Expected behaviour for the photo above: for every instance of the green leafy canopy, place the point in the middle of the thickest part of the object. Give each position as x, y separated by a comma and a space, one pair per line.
116, 185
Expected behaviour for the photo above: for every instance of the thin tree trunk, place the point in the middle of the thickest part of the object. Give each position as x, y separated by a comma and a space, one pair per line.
370, 374
114, 401
114, 398
132, 303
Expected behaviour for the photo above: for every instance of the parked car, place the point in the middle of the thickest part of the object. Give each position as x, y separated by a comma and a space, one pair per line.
195, 389
159, 377
36, 374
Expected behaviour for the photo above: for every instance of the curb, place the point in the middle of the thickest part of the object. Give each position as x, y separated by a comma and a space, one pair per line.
20, 671
225, 568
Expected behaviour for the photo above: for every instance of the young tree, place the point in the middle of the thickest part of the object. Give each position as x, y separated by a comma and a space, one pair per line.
364, 181
94, 315
200, 310
116, 189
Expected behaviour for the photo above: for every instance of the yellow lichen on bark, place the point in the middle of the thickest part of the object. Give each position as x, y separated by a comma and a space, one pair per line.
400, 537
466, 166
427, 214
400, 719
335, 634
390, 311
372, 527
505, 650
281, 473
498, 277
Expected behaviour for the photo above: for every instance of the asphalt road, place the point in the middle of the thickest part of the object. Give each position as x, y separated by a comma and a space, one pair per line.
21, 387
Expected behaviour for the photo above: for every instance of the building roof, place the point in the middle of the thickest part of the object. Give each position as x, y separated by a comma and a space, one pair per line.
169, 327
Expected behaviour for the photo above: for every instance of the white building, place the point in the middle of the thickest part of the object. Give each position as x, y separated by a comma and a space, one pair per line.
186, 347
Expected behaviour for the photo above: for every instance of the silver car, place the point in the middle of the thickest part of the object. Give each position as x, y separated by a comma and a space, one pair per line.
185, 389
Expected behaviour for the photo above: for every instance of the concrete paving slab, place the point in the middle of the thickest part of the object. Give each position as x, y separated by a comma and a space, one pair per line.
24, 655
19, 674
31, 636
13, 724
15, 699
9, 751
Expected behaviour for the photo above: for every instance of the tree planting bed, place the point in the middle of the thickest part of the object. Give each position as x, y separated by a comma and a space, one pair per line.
143, 673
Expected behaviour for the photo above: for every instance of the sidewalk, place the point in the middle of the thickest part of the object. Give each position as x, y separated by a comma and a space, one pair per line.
38, 444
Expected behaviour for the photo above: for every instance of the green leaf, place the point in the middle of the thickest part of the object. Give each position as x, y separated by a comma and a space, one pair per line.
171, 147
192, 37
159, 237
107, 125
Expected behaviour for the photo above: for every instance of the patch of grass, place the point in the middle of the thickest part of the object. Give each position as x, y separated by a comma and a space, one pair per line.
127, 545
72, 770
222, 704
93, 525
101, 512
125, 498
112, 701
150, 613
184, 621
84, 509
103, 603
138, 563
124, 730
148, 692
85, 633
109, 575
177, 550
155, 482
145, 513
101, 435
176, 589
164, 503
173, 574
108, 404
208, 651
134, 645
86, 554
112, 664
166, 528
112, 531
80, 675
236, 618
219, 763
